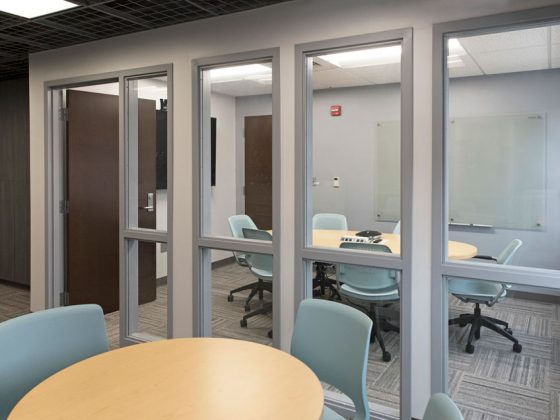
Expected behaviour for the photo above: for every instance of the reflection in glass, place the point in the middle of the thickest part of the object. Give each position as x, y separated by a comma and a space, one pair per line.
237, 144
503, 142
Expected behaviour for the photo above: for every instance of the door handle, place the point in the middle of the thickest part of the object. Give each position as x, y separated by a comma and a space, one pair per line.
150, 206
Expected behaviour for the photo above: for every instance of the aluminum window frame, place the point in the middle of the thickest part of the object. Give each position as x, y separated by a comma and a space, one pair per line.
442, 268
203, 243
304, 252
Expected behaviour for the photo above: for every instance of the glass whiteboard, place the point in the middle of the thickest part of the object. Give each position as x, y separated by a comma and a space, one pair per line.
496, 171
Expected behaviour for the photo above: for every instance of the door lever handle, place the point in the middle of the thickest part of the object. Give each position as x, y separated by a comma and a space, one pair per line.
147, 208
150, 206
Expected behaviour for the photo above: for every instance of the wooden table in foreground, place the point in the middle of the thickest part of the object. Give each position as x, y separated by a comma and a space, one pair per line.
196, 378
331, 239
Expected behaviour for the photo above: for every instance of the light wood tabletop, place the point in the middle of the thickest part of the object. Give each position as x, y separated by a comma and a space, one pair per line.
331, 239
196, 378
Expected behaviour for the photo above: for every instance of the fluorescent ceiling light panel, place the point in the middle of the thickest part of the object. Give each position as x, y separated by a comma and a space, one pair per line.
33, 8
455, 48
364, 58
245, 72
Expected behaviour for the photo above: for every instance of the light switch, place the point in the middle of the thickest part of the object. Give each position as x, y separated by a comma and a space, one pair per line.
336, 182
316, 181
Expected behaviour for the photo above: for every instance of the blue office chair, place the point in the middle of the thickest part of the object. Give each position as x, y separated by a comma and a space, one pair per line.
330, 221
397, 228
487, 293
441, 407
372, 285
333, 340
236, 224
261, 266
37, 345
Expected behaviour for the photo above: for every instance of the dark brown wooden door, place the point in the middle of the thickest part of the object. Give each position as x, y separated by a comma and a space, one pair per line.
93, 196
258, 170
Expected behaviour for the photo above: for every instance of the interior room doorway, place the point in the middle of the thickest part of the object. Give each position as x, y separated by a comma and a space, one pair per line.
92, 197
258, 170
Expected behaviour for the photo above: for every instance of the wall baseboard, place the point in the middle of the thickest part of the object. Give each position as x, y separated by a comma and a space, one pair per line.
225, 261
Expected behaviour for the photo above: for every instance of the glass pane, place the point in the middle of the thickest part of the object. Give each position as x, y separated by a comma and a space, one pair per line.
356, 106
242, 296
147, 289
510, 369
237, 148
375, 292
503, 147
147, 152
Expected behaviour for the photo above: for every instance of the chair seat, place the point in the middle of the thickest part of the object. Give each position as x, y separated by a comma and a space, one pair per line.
476, 290
381, 295
262, 274
329, 414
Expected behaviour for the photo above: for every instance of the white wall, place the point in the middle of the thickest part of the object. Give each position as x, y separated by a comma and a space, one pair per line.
281, 26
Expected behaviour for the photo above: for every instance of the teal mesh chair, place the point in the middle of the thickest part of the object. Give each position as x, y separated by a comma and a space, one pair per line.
236, 224
330, 221
487, 293
261, 266
322, 280
333, 340
37, 345
372, 285
441, 407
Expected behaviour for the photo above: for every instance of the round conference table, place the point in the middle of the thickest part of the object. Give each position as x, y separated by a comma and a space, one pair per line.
331, 239
194, 378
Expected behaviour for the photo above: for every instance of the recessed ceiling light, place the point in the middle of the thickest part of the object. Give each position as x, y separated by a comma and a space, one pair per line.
365, 58
33, 8
244, 72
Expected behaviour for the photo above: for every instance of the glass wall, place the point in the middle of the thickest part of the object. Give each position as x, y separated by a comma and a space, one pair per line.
356, 144
237, 148
502, 145
502, 196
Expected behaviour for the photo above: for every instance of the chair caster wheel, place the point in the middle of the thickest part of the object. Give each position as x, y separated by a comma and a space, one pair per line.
243, 323
230, 298
270, 334
386, 356
508, 330
469, 348
247, 307
517, 347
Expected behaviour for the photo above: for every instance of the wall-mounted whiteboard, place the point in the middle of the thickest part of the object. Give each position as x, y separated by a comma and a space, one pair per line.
496, 171
387, 163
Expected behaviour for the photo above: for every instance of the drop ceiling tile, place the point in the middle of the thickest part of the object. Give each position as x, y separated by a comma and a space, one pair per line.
513, 60
336, 78
388, 73
469, 68
523, 38
242, 88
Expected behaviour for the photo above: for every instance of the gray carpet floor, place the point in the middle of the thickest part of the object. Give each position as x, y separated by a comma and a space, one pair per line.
494, 383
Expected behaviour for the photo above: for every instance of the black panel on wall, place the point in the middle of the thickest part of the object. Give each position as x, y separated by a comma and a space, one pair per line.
213, 150
161, 149
14, 181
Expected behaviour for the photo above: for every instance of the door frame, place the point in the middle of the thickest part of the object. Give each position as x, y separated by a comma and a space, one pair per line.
54, 185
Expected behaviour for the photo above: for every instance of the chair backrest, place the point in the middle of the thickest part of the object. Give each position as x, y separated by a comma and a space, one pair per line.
333, 340
238, 222
397, 228
37, 345
258, 262
441, 407
368, 278
236, 225
507, 254
329, 221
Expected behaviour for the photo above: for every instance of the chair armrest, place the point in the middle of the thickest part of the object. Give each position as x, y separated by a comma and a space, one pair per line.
499, 295
486, 257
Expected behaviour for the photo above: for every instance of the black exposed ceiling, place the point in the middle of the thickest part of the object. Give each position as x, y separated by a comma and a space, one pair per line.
98, 19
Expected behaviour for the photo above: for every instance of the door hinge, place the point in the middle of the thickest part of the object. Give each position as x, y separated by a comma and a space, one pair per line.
63, 114
65, 299
64, 206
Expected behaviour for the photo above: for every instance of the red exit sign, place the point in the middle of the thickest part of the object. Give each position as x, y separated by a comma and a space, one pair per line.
336, 110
